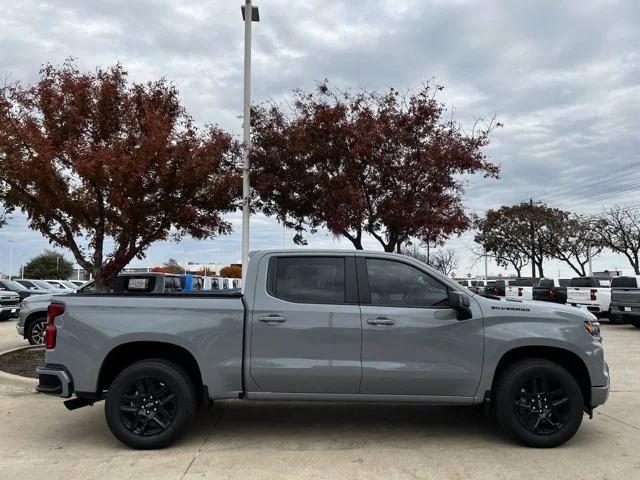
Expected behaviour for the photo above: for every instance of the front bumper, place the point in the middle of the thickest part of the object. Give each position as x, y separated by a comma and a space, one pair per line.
9, 311
599, 395
54, 380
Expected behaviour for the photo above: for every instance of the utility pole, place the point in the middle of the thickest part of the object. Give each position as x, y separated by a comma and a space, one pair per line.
486, 269
249, 14
11, 242
533, 241
589, 258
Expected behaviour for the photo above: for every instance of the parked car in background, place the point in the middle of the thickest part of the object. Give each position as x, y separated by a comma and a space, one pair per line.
42, 285
498, 288
590, 293
318, 325
521, 288
62, 285
21, 290
552, 290
475, 285
78, 283
625, 300
9, 304
33, 316
35, 285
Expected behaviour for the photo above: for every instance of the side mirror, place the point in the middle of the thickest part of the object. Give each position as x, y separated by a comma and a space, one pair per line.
461, 304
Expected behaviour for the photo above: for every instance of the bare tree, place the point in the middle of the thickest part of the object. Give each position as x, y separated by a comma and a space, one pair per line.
619, 230
444, 260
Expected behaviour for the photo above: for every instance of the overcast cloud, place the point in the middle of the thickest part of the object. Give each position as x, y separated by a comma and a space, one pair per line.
563, 78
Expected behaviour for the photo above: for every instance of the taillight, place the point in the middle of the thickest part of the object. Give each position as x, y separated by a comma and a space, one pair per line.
496, 291
519, 292
593, 293
54, 310
552, 292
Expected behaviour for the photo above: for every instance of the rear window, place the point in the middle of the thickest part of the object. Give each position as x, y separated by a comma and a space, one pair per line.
565, 282
590, 282
524, 282
491, 283
135, 284
546, 282
310, 280
624, 282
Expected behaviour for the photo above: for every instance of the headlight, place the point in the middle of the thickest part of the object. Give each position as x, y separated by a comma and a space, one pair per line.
592, 328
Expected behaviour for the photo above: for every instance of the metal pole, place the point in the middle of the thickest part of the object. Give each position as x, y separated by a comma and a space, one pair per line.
11, 259
486, 268
589, 257
246, 137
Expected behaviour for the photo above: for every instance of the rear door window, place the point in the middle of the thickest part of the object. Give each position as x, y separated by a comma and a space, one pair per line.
309, 280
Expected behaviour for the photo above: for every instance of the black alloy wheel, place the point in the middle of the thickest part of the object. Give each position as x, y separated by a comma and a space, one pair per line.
542, 406
148, 407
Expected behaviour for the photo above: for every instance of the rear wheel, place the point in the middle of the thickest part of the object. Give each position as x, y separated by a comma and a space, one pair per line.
635, 323
150, 404
539, 403
36, 331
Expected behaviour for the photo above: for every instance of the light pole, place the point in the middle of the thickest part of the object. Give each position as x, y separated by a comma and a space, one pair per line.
249, 14
11, 259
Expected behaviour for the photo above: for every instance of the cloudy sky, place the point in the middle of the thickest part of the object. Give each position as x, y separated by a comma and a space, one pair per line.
562, 76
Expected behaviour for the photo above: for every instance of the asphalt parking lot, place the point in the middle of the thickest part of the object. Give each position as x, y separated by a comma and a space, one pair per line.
39, 439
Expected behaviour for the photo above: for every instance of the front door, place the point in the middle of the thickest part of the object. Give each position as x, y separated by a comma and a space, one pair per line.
305, 326
412, 342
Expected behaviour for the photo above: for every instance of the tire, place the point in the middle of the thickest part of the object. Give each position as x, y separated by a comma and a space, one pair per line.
36, 331
614, 319
528, 414
635, 323
142, 421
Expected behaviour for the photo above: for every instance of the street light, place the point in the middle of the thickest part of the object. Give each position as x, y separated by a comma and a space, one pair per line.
249, 14
11, 259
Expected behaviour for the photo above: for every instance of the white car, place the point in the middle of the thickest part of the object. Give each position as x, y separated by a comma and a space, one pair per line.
590, 293
521, 288
62, 285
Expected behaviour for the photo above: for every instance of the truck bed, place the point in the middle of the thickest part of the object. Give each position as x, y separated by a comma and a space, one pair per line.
210, 326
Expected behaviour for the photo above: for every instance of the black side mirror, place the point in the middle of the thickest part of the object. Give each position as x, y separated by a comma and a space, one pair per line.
461, 304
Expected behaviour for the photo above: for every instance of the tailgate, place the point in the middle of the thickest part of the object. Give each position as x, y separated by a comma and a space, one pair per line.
579, 294
626, 296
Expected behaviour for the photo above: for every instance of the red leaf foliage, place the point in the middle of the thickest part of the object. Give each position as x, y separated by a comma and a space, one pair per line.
384, 163
93, 159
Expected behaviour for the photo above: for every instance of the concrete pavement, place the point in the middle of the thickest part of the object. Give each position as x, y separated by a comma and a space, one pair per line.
39, 439
9, 337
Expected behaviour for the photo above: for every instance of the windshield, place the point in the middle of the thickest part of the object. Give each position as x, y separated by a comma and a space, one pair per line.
13, 285
42, 284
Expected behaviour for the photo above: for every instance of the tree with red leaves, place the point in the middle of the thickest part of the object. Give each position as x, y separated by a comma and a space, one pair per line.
387, 164
94, 160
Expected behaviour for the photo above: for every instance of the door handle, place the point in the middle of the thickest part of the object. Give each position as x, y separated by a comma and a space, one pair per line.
272, 319
380, 321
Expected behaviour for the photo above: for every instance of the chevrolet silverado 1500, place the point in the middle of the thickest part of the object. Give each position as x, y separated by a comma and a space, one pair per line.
330, 326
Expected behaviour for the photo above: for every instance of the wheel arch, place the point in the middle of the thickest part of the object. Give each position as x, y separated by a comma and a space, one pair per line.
563, 357
128, 353
31, 318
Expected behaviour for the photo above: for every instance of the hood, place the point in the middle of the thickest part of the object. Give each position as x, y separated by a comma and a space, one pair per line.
45, 298
7, 295
527, 308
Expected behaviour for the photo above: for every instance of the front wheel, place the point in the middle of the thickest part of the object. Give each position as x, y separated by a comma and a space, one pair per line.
36, 331
150, 404
539, 403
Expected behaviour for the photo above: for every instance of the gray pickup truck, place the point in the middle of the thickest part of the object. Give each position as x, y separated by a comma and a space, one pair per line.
331, 326
625, 300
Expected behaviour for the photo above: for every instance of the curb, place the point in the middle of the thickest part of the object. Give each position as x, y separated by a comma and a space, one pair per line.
18, 380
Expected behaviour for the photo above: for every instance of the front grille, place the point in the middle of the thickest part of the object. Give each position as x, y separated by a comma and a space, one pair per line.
10, 301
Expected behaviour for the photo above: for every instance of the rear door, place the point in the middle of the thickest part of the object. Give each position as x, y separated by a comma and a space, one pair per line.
412, 342
305, 325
